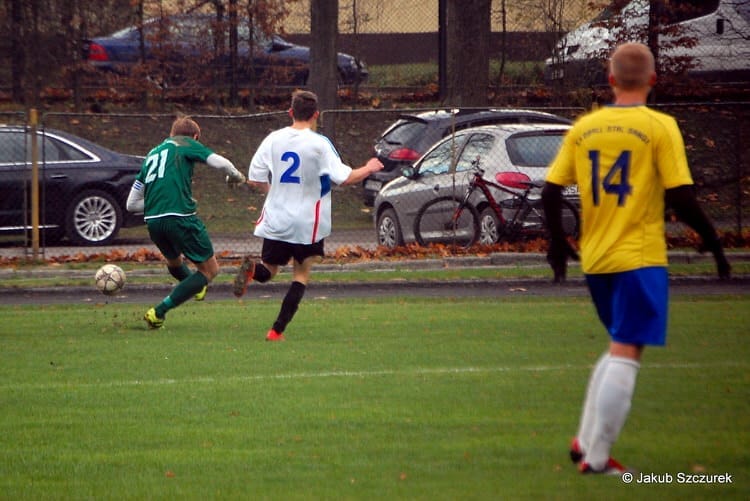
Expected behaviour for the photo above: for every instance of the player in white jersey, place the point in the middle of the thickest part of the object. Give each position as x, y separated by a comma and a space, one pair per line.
295, 166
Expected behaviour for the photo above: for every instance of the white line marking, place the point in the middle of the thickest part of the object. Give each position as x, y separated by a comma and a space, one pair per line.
419, 371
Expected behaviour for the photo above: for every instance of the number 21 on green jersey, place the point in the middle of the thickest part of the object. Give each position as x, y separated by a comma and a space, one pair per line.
156, 164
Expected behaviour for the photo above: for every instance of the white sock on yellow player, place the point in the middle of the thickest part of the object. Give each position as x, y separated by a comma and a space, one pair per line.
612, 407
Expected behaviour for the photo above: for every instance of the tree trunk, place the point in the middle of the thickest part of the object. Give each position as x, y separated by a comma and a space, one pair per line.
503, 44
323, 80
468, 33
655, 12
18, 59
72, 50
219, 49
141, 49
34, 41
233, 55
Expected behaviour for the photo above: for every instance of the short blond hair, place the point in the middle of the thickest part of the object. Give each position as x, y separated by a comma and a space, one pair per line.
632, 66
185, 126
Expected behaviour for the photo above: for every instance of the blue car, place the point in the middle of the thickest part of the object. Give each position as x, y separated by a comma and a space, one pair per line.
182, 49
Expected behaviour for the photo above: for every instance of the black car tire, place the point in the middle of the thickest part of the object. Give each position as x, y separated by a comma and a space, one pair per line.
93, 218
389, 229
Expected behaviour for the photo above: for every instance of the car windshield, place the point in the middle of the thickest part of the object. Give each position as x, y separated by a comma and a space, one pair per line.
476, 148
441, 158
533, 150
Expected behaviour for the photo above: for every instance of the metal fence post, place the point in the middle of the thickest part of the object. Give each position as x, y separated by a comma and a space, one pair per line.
33, 121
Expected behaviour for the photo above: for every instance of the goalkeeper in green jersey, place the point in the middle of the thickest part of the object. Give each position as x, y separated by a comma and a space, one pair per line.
162, 191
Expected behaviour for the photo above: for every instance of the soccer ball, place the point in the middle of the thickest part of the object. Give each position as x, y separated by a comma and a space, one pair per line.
109, 279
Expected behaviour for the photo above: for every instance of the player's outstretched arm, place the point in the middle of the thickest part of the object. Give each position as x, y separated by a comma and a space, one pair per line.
682, 200
261, 185
219, 162
358, 175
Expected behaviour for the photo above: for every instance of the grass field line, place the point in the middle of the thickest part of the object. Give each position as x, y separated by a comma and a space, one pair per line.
417, 371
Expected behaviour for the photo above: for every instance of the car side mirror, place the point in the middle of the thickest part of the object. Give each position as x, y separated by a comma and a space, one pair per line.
409, 172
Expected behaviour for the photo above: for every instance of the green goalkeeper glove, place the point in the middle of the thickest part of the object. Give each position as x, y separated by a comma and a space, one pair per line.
234, 182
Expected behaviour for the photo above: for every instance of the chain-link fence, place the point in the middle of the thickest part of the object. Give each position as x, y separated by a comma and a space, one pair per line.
83, 187
540, 48
716, 139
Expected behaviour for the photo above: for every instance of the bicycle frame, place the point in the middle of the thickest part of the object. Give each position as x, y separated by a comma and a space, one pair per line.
484, 185
445, 219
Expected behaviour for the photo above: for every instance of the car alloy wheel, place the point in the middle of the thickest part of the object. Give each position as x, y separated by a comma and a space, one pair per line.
489, 227
389, 230
94, 218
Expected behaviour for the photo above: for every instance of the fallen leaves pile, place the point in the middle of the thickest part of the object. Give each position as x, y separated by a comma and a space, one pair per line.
351, 254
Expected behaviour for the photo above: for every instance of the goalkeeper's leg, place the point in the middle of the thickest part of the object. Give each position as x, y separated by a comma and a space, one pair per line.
192, 285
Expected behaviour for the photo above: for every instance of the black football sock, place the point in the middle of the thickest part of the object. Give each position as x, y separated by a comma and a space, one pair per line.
289, 306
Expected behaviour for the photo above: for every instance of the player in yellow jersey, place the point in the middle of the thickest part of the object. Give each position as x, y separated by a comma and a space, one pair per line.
628, 162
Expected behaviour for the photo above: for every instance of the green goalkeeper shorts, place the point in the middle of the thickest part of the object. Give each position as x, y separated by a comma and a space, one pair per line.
175, 236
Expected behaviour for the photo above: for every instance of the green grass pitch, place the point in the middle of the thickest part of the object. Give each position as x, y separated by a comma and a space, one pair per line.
383, 398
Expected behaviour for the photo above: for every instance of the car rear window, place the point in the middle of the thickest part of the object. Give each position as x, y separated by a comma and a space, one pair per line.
58, 151
16, 148
533, 150
404, 132
683, 10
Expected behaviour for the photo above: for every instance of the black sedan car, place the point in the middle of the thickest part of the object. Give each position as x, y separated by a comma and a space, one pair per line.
83, 187
182, 48
413, 134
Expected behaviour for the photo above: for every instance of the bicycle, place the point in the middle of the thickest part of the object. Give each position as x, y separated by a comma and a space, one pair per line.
459, 221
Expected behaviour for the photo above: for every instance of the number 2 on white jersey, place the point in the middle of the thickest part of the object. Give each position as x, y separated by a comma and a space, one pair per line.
288, 176
156, 164
621, 167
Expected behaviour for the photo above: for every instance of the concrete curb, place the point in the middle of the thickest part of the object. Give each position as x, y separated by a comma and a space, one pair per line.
495, 260
221, 288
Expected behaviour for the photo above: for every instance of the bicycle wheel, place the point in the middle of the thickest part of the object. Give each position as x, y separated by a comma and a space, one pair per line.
535, 222
571, 219
436, 222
